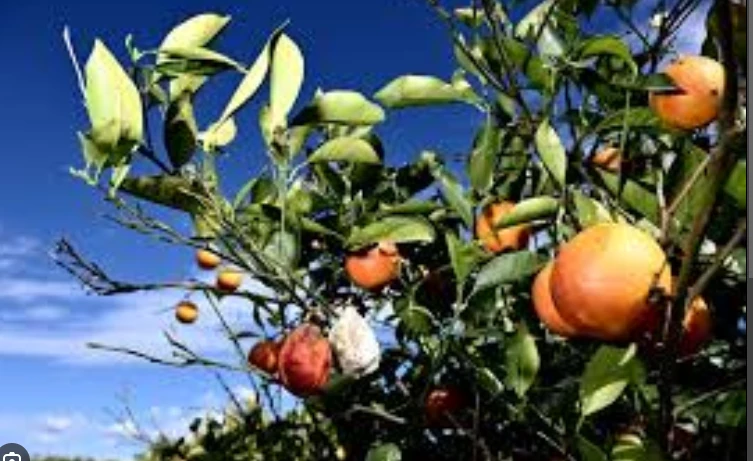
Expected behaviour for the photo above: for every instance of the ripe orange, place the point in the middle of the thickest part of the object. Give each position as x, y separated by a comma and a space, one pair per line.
602, 279
186, 312
696, 327
264, 356
441, 402
304, 361
374, 268
544, 306
228, 280
509, 238
608, 159
701, 85
207, 260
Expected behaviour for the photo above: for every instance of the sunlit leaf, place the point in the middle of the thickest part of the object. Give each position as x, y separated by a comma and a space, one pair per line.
529, 210
507, 268
345, 149
522, 362
420, 90
196, 31
607, 374
552, 152
286, 78
398, 229
340, 107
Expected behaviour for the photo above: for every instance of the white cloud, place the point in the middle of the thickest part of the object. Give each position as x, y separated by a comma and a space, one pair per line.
19, 247
23, 289
57, 423
34, 313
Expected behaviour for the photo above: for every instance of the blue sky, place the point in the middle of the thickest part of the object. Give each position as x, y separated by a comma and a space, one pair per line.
55, 395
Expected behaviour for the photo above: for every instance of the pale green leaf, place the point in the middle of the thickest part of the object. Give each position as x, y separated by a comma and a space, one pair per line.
345, 149
522, 362
340, 107
385, 452
419, 90
286, 78
196, 31
606, 376
529, 210
507, 268
552, 152
397, 229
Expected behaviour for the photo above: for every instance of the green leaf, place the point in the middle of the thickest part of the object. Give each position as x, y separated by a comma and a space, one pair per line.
589, 451
737, 185
345, 149
218, 135
411, 206
522, 362
398, 229
251, 82
484, 156
180, 131
454, 194
417, 320
385, 452
283, 248
286, 78
607, 374
638, 117
340, 107
489, 381
197, 31
507, 268
609, 45
114, 104
170, 191
92, 155
471, 17
529, 210
552, 152
630, 447
633, 195
463, 256
589, 211
198, 56
420, 90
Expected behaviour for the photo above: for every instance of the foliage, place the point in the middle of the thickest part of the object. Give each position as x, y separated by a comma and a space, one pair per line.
549, 92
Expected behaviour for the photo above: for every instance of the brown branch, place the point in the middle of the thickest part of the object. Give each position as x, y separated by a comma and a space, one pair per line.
719, 169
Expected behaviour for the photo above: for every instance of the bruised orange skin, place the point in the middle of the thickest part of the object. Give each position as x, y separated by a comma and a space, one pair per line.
265, 356
509, 238
305, 360
700, 81
441, 402
186, 312
608, 159
229, 280
602, 280
374, 268
207, 260
544, 305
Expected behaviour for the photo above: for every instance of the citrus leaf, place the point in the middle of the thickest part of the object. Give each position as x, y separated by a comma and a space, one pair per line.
589, 211
196, 31
385, 452
552, 152
589, 451
199, 55
529, 210
633, 195
180, 132
398, 229
507, 268
637, 117
607, 45
286, 78
630, 447
345, 149
484, 156
419, 90
464, 257
453, 192
219, 135
114, 104
522, 362
737, 185
340, 107
607, 374
417, 320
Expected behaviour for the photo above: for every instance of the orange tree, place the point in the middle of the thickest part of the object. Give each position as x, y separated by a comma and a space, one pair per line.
534, 304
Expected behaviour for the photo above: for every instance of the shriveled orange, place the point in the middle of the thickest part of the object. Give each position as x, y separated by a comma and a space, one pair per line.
700, 82
544, 305
375, 267
441, 402
602, 280
186, 312
609, 159
207, 259
509, 238
229, 280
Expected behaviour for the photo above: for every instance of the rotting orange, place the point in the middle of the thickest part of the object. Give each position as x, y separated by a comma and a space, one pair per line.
305, 361
264, 355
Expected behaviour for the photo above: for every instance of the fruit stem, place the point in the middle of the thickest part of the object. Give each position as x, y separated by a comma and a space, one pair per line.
719, 169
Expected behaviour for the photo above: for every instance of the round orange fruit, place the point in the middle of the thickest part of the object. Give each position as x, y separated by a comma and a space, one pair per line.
602, 280
186, 312
207, 260
497, 241
544, 305
696, 103
375, 267
305, 360
608, 159
696, 327
229, 280
264, 355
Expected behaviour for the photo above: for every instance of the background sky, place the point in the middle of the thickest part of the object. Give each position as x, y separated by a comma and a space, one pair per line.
57, 396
